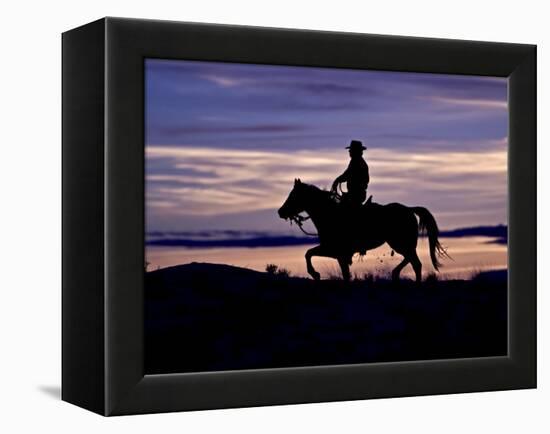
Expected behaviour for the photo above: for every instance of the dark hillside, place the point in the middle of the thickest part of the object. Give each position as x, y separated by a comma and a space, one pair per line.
209, 317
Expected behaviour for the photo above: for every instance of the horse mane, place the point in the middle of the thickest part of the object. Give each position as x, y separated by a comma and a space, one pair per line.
321, 192
318, 190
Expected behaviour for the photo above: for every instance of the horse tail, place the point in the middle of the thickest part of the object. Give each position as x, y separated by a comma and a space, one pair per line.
427, 224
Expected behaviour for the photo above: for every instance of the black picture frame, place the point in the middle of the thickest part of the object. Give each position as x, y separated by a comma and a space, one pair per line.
103, 216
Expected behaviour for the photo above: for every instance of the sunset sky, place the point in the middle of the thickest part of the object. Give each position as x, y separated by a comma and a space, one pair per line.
224, 142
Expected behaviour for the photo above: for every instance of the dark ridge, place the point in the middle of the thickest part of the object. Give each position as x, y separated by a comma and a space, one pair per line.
258, 239
213, 317
499, 231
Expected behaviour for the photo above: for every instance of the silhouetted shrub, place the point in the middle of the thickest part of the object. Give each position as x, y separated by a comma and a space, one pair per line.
274, 270
432, 278
369, 278
283, 272
271, 268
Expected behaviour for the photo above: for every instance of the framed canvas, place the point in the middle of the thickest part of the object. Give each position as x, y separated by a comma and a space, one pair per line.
405, 165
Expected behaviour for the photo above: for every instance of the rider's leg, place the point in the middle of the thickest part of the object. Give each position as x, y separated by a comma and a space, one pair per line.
356, 219
361, 196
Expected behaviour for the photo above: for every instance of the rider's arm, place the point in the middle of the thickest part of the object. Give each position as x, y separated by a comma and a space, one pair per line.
342, 178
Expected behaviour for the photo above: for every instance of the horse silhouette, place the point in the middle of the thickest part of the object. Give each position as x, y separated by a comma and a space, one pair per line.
343, 232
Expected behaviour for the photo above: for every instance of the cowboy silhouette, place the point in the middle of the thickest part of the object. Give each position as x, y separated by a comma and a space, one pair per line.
356, 176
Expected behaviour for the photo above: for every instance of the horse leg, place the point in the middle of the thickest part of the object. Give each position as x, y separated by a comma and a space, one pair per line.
314, 251
397, 270
417, 266
344, 265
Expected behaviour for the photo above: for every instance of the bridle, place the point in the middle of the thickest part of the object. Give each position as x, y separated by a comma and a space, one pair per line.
300, 219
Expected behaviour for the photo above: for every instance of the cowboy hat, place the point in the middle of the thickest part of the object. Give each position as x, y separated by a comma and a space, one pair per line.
356, 144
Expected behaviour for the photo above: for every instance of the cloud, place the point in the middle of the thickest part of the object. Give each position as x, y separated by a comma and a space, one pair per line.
221, 128
224, 81
255, 106
489, 104
225, 140
318, 86
211, 182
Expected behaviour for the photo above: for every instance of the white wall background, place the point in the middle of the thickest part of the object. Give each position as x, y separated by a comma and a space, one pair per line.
30, 225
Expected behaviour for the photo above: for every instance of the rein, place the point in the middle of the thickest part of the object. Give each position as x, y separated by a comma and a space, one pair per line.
299, 220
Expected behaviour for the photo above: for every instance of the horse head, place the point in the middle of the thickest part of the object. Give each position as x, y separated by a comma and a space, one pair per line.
295, 202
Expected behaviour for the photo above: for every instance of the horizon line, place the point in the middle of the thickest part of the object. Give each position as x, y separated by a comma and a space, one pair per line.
257, 239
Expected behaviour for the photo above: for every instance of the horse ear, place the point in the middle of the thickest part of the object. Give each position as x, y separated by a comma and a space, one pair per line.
298, 181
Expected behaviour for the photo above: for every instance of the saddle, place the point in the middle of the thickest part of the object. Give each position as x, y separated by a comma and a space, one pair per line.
353, 207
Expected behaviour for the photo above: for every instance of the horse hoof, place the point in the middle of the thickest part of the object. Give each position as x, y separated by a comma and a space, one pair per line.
316, 275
